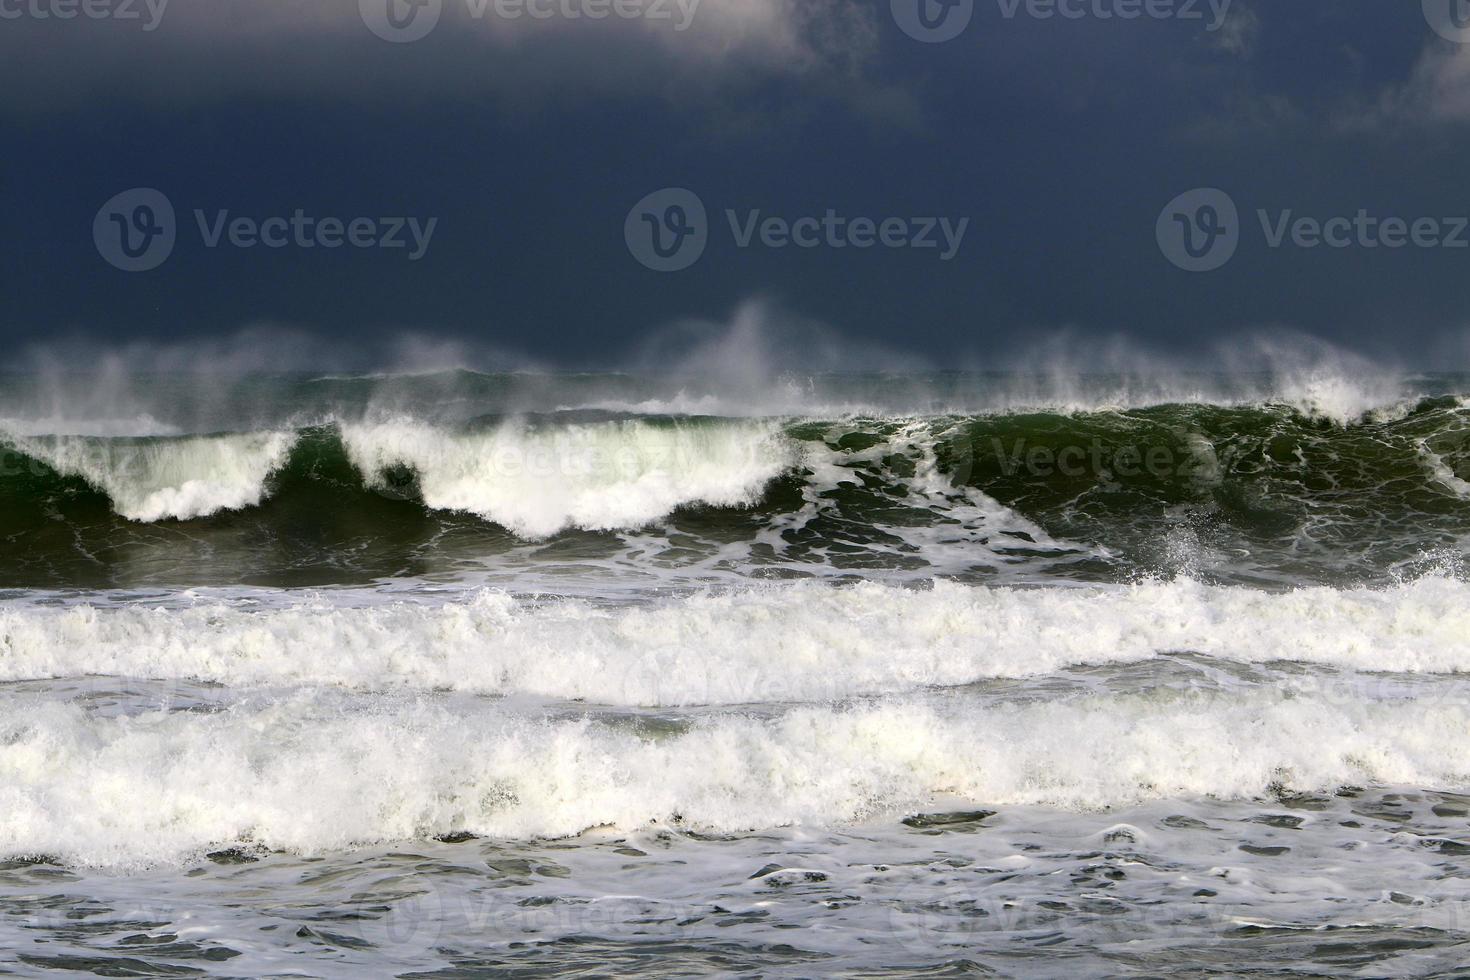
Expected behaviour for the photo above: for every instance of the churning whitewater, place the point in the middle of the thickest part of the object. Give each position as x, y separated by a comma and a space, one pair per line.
927, 654
775, 643
1249, 493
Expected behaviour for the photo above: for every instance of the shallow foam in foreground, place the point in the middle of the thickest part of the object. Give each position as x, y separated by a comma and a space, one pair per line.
311, 773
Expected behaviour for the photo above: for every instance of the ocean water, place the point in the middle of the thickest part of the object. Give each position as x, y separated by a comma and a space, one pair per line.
452, 674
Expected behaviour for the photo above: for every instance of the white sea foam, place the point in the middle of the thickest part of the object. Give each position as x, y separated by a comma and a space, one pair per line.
964, 527
599, 476
177, 478
1442, 473
794, 642
313, 774
1341, 396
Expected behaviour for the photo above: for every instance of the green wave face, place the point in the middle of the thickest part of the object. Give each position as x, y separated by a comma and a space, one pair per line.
1265, 493
1255, 494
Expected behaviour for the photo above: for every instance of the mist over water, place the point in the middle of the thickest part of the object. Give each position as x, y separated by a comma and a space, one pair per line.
764, 360
731, 452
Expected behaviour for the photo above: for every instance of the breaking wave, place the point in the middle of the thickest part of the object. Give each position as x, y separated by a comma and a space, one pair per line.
311, 773
1262, 492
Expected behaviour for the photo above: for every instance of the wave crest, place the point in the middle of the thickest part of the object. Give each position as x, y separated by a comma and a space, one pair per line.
173, 478
603, 476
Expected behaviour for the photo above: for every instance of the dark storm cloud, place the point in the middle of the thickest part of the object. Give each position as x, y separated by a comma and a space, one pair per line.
809, 132
175, 54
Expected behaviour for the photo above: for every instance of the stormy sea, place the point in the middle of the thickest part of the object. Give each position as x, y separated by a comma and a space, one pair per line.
450, 673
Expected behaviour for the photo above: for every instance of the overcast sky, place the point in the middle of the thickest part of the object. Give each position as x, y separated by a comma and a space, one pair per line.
971, 177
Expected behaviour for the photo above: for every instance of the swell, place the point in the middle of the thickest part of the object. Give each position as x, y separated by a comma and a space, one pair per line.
1192, 488
534, 480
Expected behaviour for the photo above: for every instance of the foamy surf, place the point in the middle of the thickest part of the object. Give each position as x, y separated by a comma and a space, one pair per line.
480, 672
311, 774
1260, 494
772, 644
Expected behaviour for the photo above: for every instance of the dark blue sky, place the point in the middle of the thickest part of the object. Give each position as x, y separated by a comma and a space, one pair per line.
1061, 140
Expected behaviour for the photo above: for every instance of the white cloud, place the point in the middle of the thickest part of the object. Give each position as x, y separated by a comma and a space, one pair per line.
1439, 89
1238, 31
1436, 92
